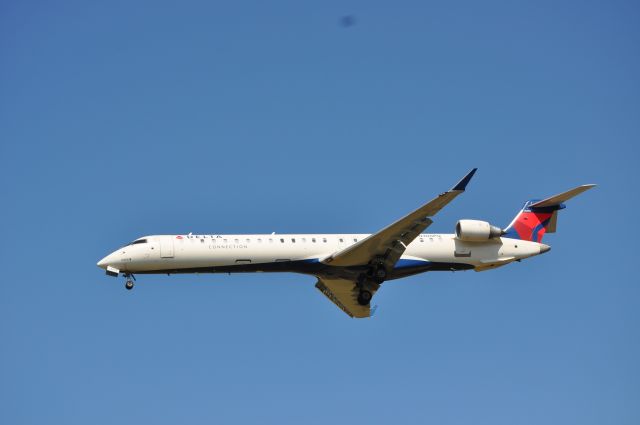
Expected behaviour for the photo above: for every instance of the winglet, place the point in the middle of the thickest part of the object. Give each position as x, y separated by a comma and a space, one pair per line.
465, 181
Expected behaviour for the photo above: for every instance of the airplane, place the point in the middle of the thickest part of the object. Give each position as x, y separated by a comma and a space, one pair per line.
350, 268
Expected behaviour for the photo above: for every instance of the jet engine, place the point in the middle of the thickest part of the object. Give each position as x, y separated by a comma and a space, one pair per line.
476, 231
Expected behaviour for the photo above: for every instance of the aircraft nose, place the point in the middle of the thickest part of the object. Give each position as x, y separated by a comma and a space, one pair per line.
544, 248
103, 263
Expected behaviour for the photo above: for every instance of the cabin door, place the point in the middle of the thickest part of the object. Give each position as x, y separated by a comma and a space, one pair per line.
166, 246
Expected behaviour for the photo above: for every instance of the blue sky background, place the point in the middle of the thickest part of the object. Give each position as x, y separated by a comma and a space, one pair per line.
120, 119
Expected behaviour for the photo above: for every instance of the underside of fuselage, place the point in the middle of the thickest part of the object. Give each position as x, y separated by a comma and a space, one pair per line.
314, 267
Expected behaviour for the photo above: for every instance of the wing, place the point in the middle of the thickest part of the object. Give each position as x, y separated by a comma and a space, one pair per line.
344, 294
390, 243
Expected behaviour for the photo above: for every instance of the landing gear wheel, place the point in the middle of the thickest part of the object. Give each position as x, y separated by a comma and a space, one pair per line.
129, 285
364, 297
380, 274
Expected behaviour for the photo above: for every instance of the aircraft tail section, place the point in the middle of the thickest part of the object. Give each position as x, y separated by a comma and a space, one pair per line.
538, 217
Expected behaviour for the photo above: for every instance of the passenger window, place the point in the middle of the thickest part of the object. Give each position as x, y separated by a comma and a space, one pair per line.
313, 240
324, 240
282, 240
248, 240
224, 240
270, 240
355, 239
341, 240
304, 240
259, 240
202, 240
236, 240
421, 240
293, 240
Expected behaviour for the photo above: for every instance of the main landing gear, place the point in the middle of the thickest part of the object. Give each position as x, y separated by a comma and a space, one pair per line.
364, 297
380, 274
377, 271
370, 282
128, 284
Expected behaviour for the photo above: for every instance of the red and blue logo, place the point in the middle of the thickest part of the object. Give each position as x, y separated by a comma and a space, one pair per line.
532, 223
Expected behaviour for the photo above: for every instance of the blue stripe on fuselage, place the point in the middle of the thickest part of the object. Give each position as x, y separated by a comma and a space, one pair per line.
405, 263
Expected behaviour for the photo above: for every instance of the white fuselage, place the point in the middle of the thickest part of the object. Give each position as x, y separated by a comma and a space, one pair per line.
275, 252
351, 267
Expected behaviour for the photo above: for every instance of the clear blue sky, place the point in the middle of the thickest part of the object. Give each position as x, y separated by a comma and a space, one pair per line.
120, 119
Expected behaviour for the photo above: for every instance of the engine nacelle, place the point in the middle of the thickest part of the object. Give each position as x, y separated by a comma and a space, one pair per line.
476, 231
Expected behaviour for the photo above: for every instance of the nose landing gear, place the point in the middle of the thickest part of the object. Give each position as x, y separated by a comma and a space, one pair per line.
128, 284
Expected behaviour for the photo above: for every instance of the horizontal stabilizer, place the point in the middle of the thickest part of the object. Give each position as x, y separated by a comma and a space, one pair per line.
562, 197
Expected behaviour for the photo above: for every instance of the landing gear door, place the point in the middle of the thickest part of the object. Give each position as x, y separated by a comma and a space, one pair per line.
166, 247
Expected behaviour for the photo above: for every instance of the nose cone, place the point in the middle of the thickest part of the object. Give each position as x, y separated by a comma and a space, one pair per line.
544, 248
103, 263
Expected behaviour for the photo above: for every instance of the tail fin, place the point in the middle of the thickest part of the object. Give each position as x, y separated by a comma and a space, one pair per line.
538, 217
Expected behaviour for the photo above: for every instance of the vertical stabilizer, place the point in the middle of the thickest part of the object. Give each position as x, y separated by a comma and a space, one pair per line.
538, 217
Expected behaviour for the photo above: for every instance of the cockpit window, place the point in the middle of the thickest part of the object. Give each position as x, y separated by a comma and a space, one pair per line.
138, 241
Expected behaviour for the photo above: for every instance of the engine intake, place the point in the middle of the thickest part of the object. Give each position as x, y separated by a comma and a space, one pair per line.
476, 231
